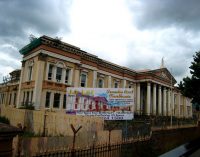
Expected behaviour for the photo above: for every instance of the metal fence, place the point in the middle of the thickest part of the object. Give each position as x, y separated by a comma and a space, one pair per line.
105, 150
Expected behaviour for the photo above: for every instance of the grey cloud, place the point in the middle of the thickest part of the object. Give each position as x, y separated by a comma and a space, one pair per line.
176, 46
20, 18
169, 13
43, 17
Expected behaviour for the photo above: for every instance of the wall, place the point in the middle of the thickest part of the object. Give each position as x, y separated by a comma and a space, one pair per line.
32, 145
57, 123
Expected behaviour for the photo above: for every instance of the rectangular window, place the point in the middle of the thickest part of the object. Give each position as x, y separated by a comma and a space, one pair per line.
48, 96
64, 101
67, 76
10, 99
59, 74
30, 73
100, 83
83, 80
15, 96
50, 72
116, 84
56, 101
27, 98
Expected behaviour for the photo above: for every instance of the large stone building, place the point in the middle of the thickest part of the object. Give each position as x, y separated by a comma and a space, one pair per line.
49, 66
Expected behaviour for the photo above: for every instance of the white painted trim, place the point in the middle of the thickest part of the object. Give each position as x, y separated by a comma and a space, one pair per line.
52, 55
88, 67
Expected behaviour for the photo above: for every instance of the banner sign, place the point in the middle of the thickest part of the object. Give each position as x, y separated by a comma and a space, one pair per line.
109, 103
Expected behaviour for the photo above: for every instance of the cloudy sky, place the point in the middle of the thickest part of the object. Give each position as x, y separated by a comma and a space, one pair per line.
131, 33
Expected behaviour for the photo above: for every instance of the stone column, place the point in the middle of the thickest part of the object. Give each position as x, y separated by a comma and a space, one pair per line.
54, 73
124, 83
185, 107
94, 79
134, 96
40, 65
70, 77
109, 82
63, 75
159, 100
154, 99
47, 71
19, 93
178, 104
138, 98
169, 102
164, 102
148, 98
172, 103
77, 77
51, 100
61, 101
190, 108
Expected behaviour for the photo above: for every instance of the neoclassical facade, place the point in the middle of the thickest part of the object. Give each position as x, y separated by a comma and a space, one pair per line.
49, 66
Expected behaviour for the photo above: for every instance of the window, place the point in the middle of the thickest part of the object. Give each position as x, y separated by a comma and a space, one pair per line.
56, 102
30, 68
15, 95
116, 85
100, 83
64, 101
59, 74
50, 73
31, 96
27, 98
10, 99
23, 98
48, 96
83, 80
67, 76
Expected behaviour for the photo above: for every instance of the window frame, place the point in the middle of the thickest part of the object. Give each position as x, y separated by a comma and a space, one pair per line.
64, 101
101, 79
85, 83
50, 73
116, 83
68, 75
56, 101
59, 75
47, 100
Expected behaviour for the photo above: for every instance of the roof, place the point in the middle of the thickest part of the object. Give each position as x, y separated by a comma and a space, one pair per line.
58, 44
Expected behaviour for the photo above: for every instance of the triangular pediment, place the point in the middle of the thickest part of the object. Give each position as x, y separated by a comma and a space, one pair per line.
164, 74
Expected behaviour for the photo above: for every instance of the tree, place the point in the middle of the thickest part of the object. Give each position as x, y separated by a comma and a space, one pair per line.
190, 86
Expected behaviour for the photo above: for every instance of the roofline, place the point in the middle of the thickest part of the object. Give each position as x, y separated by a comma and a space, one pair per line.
58, 44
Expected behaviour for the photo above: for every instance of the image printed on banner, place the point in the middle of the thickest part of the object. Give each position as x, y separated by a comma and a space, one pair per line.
108, 103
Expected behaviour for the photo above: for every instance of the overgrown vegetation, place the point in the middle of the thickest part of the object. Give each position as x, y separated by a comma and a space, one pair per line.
190, 86
28, 106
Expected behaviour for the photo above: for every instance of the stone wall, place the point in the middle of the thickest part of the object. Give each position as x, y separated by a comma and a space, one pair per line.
56, 123
32, 145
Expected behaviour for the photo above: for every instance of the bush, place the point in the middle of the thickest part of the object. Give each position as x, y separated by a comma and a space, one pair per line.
28, 106
4, 120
